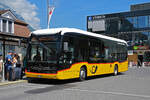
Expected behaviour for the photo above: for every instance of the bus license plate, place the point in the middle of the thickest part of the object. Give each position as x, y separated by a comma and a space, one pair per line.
39, 76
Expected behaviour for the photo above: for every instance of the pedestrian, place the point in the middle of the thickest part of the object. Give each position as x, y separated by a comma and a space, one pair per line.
14, 67
17, 67
140, 60
8, 66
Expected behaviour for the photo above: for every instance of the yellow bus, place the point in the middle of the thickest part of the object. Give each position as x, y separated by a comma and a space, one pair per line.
66, 53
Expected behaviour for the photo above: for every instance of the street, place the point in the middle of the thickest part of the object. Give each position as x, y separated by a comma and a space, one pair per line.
131, 85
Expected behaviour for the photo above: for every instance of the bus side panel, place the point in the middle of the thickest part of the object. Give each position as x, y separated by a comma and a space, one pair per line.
104, 68
93, 69
98, 69
124, 66
72, 72
112, 66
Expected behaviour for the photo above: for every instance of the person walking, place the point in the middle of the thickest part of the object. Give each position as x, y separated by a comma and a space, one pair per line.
140, 61
8, 67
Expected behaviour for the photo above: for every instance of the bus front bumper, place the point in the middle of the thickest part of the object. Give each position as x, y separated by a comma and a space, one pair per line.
40, 75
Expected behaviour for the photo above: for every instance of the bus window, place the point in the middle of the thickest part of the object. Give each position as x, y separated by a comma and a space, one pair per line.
50, 52
67, 55
97, 52
82, 50
76, 48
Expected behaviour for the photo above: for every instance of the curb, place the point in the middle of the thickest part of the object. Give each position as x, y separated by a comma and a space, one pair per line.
12, 82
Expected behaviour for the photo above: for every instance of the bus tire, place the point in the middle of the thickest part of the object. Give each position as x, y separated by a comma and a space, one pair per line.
82, 74
115, 70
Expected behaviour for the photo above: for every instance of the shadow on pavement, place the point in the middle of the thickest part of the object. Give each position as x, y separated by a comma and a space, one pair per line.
49, 89
53, 82
53, 85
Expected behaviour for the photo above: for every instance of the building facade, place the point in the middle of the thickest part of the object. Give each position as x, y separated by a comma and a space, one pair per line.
138, 7
13, 35
132, 26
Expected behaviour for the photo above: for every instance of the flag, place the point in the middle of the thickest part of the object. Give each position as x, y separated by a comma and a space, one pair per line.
50, 12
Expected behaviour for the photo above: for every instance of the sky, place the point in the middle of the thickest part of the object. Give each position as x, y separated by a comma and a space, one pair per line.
67, 13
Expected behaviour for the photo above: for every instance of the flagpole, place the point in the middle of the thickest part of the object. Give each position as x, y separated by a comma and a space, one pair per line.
48, 14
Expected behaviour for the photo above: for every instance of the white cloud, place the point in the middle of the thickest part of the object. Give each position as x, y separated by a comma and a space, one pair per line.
25, 9
1, 6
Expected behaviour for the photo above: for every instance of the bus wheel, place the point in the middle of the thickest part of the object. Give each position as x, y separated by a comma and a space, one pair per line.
82, 75
116, 70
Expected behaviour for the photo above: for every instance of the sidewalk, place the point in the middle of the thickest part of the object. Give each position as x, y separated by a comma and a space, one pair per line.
5, 82
12, 82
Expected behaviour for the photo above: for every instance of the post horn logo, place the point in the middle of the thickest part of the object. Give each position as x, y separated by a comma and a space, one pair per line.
94, 69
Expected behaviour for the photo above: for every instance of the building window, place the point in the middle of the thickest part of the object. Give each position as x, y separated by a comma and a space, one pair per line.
143, 21
10, 27
4, 26
130, 20
7, 26
126, 24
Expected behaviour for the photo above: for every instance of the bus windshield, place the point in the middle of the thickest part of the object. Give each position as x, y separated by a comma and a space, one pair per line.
43, 50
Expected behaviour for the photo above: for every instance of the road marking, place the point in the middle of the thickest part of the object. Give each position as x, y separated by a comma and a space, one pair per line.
113, 93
